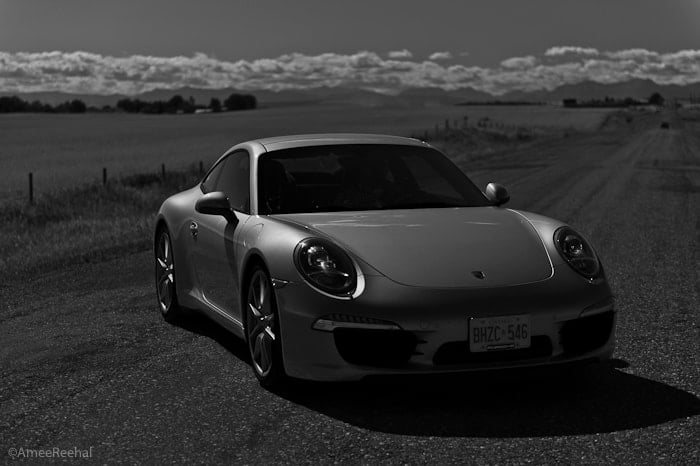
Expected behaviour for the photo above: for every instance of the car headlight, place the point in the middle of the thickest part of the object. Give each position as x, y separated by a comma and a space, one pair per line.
326, 267
577, 252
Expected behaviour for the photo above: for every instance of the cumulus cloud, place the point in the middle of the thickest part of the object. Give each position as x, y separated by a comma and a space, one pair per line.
397, 54
519, 62
632, 54
567, 49
440, 56
83, 72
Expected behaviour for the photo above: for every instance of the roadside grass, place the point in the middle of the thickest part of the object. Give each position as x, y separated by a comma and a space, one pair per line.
85, 223
469, 144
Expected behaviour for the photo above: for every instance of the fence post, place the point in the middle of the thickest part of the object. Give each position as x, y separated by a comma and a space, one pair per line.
31, 188
104, 175
201, 167
162, 170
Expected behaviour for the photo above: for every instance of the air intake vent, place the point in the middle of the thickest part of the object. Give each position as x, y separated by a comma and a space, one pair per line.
380, 348
586, 334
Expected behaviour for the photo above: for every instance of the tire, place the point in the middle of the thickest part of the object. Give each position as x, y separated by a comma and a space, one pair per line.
262, 329
166, 291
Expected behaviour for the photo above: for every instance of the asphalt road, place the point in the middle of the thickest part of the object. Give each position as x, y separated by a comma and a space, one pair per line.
86, 360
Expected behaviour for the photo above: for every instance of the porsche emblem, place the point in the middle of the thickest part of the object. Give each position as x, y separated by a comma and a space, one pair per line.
479, 274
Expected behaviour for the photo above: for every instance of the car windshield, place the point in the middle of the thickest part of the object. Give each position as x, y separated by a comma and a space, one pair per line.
354, 177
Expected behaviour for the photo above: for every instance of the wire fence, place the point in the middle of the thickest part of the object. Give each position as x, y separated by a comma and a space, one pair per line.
34, 189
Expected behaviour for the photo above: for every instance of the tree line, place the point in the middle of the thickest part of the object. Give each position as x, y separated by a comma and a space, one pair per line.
609, 102
176, 104
14, 104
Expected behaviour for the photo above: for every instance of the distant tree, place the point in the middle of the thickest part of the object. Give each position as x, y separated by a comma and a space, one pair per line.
77, 106
175, 104
12, 104
233, 102
215, 104
190, 105
656, 99
240, 102
129, 105
249, 101
38, 107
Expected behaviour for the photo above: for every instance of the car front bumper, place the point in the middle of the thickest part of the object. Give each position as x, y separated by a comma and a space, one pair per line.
570, 320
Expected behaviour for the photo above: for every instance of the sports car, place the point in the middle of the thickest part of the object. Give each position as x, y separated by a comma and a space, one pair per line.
339, 256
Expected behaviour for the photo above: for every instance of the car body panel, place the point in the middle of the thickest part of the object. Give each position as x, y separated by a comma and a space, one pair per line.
440, 248
304, 140
416, 266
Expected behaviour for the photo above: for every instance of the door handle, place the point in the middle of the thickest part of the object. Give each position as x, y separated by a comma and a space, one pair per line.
194, 229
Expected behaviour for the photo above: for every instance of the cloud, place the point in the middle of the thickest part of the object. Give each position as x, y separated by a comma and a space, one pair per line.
519, 62
632, 54
397, 54
440, 56
567, 49
83, 72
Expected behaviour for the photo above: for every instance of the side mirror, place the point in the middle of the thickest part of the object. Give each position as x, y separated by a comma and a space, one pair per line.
497, 193
215, 203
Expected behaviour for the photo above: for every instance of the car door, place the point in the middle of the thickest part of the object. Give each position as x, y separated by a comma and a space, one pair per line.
217, 237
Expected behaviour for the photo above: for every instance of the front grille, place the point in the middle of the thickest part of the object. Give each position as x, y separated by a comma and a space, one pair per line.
457, 352
369, 347
586, 334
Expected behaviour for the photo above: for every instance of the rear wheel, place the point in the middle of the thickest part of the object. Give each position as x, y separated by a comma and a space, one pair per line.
263, 330
165, 277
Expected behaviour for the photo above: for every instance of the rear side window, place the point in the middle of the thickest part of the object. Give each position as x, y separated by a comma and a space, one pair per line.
234, 180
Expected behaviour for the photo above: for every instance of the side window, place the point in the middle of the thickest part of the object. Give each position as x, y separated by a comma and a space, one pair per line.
235, 180
209, 183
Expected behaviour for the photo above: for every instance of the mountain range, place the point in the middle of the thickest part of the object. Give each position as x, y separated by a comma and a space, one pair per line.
427, 96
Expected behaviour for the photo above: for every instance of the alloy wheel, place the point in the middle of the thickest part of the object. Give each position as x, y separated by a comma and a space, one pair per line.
260, 324
165, 278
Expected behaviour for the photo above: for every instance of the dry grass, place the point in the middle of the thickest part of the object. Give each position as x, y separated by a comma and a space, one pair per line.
86, 223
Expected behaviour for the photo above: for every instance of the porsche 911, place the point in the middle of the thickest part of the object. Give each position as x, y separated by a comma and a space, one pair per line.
339, 256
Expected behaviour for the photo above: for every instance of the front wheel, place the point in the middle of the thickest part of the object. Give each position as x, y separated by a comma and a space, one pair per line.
165, 277
263, 330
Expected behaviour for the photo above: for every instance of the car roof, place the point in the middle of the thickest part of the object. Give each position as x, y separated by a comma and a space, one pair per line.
301, 140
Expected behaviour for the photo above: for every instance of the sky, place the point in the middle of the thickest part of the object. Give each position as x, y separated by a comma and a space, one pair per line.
128, 46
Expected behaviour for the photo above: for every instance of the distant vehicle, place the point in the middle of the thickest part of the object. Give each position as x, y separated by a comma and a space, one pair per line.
665, 125
339, 256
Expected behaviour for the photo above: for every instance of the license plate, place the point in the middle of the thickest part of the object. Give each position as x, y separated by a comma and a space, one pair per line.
499, 333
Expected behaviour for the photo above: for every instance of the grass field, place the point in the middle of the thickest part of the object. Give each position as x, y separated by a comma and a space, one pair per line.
75, 218
84, 223
68, 150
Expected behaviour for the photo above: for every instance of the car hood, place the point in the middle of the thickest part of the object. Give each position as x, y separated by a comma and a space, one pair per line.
451, 247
